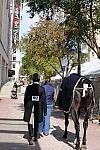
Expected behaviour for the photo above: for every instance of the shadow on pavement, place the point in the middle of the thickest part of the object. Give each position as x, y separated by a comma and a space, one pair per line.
18, 146
12, 132
26, 135
58, 134
9, 119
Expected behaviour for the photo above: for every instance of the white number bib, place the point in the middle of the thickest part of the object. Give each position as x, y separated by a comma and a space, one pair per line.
35, 98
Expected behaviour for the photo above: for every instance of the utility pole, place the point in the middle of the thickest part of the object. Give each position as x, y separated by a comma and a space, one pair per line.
78, 38
79, 53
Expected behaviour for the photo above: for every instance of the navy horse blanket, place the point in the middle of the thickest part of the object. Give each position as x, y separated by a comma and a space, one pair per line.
65, 95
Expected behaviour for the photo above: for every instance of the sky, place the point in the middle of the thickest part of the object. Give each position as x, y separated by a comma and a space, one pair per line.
26, 21
25, 24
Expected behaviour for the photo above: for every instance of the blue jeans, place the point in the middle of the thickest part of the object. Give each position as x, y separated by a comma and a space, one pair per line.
45, 125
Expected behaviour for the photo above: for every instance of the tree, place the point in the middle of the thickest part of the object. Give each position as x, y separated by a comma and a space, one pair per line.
44, 48
82, 17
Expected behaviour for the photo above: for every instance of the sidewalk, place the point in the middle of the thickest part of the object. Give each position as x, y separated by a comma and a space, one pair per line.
13, 130
6, 89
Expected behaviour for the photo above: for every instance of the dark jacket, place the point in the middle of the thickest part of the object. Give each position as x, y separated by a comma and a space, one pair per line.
40, 106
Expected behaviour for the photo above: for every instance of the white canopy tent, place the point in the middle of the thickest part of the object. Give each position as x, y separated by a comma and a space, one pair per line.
57, 77
88, 68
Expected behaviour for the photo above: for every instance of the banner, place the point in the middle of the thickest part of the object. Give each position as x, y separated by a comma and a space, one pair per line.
16, 24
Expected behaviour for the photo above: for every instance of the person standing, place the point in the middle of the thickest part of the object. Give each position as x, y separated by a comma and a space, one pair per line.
14, 91
34, 107
49, 90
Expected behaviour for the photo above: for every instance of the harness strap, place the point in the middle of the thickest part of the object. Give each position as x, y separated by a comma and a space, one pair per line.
76, 85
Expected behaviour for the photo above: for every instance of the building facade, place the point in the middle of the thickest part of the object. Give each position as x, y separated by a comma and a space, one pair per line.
5, 20
9, 37
15, 61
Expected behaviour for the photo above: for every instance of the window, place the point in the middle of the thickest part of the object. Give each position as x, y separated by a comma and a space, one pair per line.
13, 65
14, 58
92, 53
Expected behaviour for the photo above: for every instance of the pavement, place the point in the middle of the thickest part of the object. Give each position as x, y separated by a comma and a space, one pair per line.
5, 90
14, 133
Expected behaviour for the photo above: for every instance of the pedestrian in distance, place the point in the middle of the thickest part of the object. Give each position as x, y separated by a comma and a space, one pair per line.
15, 86
44, 126
34, 107
14, 91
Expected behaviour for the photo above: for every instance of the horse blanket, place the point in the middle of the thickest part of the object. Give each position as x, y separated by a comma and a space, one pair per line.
65, 95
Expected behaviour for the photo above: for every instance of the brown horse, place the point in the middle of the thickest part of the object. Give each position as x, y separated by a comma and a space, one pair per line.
76, 93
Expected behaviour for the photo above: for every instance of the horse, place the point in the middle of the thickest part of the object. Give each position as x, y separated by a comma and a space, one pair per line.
76, 94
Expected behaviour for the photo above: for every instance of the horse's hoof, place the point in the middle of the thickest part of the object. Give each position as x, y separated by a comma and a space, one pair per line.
77, 148
83, 147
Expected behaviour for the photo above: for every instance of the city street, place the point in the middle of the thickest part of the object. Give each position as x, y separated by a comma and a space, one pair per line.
14, 135
56, 39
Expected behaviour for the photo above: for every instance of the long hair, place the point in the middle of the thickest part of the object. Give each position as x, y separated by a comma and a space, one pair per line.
47, 79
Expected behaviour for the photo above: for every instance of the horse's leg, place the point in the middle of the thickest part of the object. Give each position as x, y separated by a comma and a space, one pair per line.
75, 117
85, 126
66, 125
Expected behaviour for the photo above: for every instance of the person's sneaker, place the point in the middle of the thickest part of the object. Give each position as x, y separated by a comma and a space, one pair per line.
31, 142
46, 134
